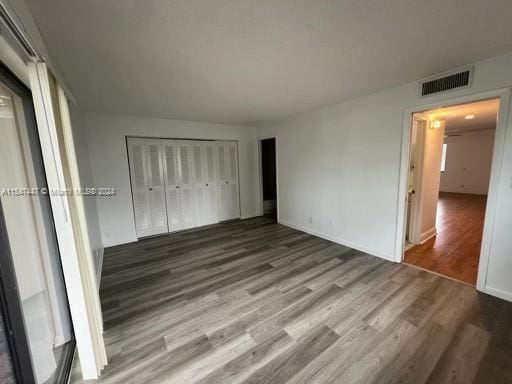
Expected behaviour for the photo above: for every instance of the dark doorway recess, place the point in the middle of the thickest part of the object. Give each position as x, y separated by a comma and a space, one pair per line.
268, 166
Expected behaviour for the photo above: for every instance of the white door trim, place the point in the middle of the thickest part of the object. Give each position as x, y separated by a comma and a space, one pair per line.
416, 205
504, 95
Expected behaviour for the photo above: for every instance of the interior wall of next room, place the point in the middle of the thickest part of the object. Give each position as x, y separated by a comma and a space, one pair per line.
468, 162
109, 160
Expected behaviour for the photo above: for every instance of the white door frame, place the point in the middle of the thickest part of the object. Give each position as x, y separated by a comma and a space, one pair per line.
499, 140
260, 174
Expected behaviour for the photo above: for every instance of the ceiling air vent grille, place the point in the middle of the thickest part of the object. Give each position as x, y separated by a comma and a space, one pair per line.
446, 82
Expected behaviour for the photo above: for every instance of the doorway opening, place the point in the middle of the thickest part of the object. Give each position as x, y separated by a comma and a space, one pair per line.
451, 153
268, 177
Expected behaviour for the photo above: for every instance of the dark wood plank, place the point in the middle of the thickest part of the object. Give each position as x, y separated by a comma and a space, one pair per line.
455, 250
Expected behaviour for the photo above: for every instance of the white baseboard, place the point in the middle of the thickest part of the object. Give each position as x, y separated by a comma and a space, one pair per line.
427, 235
498, 293
337, 240
466, 191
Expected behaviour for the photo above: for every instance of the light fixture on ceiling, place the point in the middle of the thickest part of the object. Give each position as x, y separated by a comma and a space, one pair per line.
469, 117
435, 124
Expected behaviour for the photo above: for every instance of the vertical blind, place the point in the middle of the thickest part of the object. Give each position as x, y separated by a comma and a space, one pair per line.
61, 167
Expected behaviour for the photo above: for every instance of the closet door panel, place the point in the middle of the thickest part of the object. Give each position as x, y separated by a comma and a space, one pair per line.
224, 202
232, 152
235, 201
188, 207
227, 180
156, 188
186, 167
139, 183
199, 182
211, 199
222, 181
171, 178
233, 161
210, 162
212, 204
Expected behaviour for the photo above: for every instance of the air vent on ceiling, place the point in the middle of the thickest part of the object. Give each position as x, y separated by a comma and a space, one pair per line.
446, 82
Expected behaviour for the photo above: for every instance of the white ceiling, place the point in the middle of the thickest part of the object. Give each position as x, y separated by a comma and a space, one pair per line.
485, 114
243, 61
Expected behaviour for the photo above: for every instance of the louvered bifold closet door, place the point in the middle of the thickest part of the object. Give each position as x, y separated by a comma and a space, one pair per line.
211, 200
199, 178
140, 192
172, 184
147, 186
227, 165
156, 186
186, 168
234, 196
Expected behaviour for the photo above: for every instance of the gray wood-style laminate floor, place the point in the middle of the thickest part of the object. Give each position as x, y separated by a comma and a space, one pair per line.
253, 301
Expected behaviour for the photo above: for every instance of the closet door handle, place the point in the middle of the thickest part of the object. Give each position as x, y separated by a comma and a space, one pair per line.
206, 184
150, 188
177, 187
227, 182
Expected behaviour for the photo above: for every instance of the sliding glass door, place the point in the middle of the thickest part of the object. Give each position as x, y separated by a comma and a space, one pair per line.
34, 296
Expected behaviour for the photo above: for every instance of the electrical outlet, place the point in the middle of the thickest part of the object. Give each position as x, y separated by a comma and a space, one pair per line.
310, 220
331, 223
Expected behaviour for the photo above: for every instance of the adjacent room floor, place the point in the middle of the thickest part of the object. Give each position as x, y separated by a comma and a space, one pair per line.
455, 250
253, 301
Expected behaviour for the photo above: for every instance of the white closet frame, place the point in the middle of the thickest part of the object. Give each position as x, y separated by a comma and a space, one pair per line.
196, 191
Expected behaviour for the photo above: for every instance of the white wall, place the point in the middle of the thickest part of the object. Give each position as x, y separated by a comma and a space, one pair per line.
107, 148
340, 166
468, 162
84, 169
